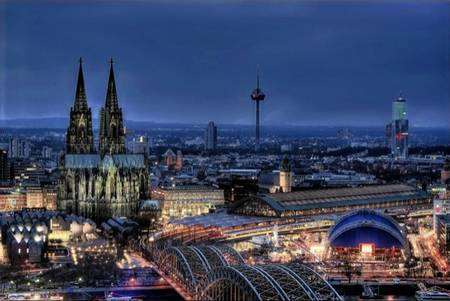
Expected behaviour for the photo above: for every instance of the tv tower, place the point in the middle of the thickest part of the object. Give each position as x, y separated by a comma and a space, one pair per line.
258, 96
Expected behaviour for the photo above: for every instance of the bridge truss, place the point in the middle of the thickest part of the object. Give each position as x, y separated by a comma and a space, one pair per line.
218, 272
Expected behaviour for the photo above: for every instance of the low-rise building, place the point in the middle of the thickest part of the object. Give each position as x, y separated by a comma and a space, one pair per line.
181, 201
15, 199
29, 233
41, 197
12, 200
343, 179
333, 201
120, 227
35, 197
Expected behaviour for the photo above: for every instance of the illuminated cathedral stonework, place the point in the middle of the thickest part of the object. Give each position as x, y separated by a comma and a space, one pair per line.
104, 184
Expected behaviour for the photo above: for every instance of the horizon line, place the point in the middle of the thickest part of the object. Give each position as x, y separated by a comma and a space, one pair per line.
218, 123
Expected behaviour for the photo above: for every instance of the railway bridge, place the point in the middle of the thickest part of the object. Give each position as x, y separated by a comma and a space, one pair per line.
218, 272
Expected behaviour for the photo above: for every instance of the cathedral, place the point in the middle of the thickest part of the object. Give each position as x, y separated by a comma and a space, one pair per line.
104, 182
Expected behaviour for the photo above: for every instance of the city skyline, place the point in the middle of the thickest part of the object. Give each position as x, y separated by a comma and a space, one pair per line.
174, 71
224, 150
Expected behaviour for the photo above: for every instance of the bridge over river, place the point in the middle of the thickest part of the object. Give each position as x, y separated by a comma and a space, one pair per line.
218, 272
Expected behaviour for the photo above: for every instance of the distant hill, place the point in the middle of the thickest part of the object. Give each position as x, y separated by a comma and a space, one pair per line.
61, 123
51, 123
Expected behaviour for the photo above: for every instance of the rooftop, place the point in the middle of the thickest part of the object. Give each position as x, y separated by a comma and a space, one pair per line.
313, 196
96, 161
365, 226
190, 188
332, 198
220, 219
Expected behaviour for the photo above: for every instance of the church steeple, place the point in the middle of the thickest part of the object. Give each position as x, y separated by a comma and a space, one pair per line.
79, 138
80, 94
112, 132
111, 93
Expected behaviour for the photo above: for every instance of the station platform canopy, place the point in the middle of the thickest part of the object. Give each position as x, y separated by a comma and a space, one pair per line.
332, 201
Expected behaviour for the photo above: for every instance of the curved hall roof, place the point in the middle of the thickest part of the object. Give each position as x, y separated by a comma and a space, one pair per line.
366, 226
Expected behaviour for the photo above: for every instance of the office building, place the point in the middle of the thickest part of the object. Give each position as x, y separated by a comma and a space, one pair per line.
179, 161
211, 137
399, 129
139, 145
286, 148
46, 152
19, 148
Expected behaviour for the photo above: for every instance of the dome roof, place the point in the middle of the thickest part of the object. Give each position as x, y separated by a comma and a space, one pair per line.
366, 226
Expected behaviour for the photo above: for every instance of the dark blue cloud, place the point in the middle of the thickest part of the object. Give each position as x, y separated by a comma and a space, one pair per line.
322, 63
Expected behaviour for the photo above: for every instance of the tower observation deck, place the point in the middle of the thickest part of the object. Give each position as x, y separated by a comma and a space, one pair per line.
257, 96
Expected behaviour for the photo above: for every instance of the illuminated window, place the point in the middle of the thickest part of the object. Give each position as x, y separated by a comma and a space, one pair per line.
367, 249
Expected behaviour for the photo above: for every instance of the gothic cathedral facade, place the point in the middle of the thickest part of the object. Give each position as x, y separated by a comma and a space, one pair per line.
104, 183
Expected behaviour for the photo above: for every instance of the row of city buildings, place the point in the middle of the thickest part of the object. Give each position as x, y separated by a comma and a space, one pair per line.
105, 180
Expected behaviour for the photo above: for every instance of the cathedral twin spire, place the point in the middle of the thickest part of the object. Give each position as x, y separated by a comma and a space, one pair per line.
111, 92
112, 132
79, 138
80, 95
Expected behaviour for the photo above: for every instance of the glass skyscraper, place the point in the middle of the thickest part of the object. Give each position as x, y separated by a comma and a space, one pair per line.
399, 128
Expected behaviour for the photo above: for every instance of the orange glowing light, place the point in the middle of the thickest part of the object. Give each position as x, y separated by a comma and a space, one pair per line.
366, 248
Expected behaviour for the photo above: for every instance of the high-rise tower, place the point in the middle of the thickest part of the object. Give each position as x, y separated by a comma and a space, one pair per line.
80, 138
399, 128
112, 133
257, 96
211, 137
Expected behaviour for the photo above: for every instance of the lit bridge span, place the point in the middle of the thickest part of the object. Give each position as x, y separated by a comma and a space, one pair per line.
218, 272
